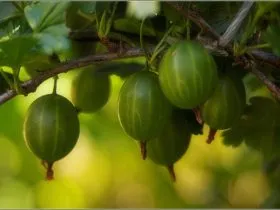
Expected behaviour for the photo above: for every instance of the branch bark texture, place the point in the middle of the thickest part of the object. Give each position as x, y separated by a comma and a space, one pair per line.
32, 84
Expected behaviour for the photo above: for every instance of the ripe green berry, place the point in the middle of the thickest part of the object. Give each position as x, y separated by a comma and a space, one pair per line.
51, 129
224, 107
172, 143
188, 74
143, 109
90, 90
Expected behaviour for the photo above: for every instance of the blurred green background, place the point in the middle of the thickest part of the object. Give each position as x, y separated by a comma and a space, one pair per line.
105, 169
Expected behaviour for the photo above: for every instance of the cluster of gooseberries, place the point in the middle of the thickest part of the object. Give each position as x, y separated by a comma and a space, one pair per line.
158, 109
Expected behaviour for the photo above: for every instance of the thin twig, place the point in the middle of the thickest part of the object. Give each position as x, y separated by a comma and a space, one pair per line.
269, 84
266, 57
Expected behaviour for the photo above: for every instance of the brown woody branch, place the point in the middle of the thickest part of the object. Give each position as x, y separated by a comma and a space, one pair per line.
275, 90
32, 84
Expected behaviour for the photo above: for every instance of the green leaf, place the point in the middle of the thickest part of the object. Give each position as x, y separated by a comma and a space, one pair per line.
259, 125
260, 139
54, 39
6, 9
188, 115
5, 21
44, 14
254, 87
256, 127
266, 6
261, 112
272, 35
12, 21
233, 137
14, 50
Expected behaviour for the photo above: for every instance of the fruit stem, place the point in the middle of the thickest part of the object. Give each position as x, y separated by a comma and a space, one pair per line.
17, 86
172, 172
141, 40
143, 150
198, 116
55, 84
211, 135
158, 49
44, 163
49, 174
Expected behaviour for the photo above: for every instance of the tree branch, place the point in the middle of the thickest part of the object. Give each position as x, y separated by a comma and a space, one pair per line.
269, 84
266, 57
32, 84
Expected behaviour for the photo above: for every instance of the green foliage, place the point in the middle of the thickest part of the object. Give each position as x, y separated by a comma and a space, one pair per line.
80, 14
15, 50
47, 21
272, 37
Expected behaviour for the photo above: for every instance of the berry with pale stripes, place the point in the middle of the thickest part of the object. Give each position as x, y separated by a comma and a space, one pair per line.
51, 129
143, 110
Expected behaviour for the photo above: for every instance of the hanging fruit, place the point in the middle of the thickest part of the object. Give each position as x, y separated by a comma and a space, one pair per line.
188, 74
51, 129
143, 109
172, 143
90, 90
224, 107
